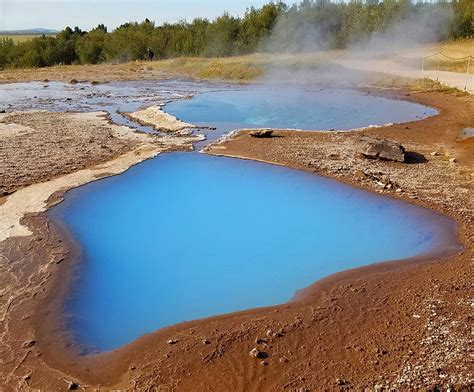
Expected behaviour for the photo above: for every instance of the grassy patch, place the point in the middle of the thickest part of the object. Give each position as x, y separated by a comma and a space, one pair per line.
443, 64
22, 38
455, 49
241, 68
415, 85
235, 68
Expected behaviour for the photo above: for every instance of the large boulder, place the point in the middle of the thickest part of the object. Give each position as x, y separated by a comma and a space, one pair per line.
377, 148
262, 133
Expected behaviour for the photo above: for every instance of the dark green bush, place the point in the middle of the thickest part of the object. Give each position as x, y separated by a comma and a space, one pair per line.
306, 26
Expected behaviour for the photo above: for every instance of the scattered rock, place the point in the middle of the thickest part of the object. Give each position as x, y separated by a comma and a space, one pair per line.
206, 341
260, 341
341, 382
263, 133
3, 111
73, 81
172, 341
376, 148
452, 160
4, 192
264, 363
72, 386
29, 343
284, 360
256, 353
434, 154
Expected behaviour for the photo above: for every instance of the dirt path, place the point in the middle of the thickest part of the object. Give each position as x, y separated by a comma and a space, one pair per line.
461, 81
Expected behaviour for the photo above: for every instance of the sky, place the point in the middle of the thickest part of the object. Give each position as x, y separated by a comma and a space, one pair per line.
56, 14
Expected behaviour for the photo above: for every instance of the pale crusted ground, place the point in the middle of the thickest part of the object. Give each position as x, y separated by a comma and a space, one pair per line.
160, 120
44, 145
43, 153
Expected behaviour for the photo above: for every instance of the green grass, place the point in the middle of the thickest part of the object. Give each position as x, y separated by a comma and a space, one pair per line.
415, 85
239, 68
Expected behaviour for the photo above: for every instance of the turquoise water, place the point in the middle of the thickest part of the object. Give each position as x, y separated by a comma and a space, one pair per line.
186, 236
295, 109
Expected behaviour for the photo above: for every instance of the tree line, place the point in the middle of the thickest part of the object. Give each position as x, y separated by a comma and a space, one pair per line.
275, 27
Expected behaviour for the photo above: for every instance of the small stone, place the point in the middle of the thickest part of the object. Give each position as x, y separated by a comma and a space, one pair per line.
452, 160
206, 341
72, 386
256, 353
284, 360
73, 81
341, 382
172, 341
29, 343
264, 363
434, 154
260, 341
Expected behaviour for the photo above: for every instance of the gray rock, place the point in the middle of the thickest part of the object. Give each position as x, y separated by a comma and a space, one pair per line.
376, 148
29, 343
262, 133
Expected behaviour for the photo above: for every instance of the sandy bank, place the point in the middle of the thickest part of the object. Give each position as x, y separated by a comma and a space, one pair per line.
160, 120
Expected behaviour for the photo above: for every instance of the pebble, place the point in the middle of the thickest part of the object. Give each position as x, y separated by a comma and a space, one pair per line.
341, 382
29, 343
256, 353
172, 341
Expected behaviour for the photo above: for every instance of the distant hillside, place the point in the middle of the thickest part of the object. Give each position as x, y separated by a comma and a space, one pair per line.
37, 31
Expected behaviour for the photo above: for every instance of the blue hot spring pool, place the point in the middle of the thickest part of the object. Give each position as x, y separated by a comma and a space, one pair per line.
185, 236
293, 108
